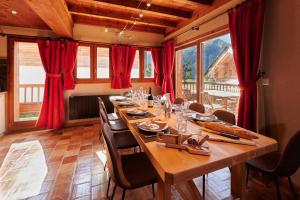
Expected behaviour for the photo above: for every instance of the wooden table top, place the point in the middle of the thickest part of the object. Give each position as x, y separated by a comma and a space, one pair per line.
176, 166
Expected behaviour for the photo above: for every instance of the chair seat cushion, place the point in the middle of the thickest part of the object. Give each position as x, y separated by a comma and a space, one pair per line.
138, 170
118, 125
124, 140
113, 116
266, 163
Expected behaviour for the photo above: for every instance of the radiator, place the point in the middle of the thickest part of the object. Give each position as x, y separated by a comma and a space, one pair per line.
83, 107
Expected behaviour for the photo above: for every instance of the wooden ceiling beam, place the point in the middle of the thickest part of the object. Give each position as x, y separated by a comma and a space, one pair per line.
161, 10
105, 13
55, 14
79, 19
203, 2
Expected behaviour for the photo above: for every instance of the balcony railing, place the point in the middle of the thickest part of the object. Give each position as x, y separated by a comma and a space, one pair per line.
31, 93
30, 100
192, 86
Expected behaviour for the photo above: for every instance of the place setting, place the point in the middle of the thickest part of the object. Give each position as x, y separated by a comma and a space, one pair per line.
138, 113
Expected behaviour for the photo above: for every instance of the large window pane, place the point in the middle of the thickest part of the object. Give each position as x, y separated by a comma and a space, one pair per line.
135, 72
83, 62
148, 65
102, 62
29, 78
221, 89
186, 73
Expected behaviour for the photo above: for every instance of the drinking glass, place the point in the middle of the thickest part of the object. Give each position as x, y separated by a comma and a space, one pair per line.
181, 124
157, 107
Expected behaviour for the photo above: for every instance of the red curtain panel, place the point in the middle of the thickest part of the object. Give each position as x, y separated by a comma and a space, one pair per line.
246, 27
128, 58
168, 64
69, 64
157, 60
52, 113
116, 56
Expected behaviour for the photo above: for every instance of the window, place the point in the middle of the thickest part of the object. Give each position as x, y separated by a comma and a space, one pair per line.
28, 81
103, 58
135, 71
217, 86
93, 64
220, 87
83, 70
148, 65
186, 70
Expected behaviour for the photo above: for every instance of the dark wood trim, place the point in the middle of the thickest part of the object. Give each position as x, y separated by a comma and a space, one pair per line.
203, 2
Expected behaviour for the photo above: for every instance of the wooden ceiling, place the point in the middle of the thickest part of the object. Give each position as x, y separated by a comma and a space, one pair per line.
163, 16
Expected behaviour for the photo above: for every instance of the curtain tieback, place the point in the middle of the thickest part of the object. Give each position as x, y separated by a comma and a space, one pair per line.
54, 75
247, 85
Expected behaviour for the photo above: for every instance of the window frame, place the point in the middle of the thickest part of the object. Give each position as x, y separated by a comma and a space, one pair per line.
93, 65
198, 41
143, 67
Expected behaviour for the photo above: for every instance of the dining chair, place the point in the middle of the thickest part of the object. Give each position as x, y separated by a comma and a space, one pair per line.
128, 171
225, 116
179, 100
279, 165
209, 104
115, 125
198, 107
111, 116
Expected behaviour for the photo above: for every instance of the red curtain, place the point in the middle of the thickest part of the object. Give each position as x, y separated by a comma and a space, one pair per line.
122, 62
246, 27
168, 64
156, 57
69, 64
52, 113
128, 58
116, 56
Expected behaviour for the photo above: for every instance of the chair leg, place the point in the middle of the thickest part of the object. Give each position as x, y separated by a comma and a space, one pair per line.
247, 177
277, 188
203, 186
153, 190
292, 188
108, 186
123, 194
113, 194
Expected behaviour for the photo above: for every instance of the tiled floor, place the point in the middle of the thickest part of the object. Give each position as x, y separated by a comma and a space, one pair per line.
76, 172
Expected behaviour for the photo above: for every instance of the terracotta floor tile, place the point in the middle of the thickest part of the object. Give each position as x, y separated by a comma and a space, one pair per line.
81, 190
86, 147
70, 159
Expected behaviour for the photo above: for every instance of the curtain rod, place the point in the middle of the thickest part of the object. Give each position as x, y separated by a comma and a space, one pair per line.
80, 41
196, 27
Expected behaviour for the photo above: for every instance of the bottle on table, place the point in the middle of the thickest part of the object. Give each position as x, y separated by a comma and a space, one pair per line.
150, 98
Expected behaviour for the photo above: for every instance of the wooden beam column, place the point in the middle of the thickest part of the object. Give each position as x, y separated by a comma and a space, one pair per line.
55, 14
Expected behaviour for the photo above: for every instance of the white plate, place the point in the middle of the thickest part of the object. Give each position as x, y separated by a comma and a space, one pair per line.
153, 126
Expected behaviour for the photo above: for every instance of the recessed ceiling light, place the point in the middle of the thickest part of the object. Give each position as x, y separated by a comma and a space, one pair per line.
121, 32
14, 12
106, 30
141, 15
148, 4
134, 22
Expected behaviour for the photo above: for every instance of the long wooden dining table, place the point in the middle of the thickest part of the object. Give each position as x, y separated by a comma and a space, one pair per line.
178, 168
